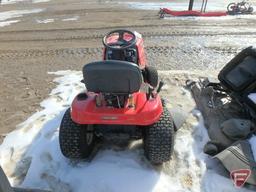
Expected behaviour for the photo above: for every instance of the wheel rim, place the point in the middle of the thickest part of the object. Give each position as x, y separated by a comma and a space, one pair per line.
89, 134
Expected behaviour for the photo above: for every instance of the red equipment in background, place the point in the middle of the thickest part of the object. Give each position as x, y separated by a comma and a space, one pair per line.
191, 12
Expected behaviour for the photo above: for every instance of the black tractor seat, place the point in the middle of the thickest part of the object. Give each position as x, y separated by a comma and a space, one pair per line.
112, 76
239, 77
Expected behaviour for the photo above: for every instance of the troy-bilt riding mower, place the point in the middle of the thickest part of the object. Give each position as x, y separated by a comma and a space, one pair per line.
115, 104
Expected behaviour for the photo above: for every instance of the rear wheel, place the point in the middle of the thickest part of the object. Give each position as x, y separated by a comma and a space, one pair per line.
162, 15
76, 141
231, 7
250, 9
159, 139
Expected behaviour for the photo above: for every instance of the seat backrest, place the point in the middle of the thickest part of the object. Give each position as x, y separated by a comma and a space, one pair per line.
239, 74
112, 76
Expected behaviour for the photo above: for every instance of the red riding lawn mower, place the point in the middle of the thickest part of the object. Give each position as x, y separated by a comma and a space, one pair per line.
115, 103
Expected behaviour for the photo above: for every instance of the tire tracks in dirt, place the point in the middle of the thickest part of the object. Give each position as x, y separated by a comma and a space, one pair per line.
99, 35
84, 52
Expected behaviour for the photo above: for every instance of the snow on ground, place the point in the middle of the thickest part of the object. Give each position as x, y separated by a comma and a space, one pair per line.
17, 13
45, 21
5, 2
71, 18
221, 18
7, 23
31, 155
217, 5
252, 141
252, 96
253, 145
7, 15
40, 1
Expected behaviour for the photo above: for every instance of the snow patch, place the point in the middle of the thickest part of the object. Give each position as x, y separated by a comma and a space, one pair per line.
17, 13
31, 155
14, 14
45, 21
6, 2
221, 18
7, 23
71, 18
252, 96
252, 141
40, 1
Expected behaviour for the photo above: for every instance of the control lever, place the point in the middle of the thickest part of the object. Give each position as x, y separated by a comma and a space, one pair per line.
161, 84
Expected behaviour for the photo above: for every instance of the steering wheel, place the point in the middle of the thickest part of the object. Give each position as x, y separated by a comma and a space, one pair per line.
119, 39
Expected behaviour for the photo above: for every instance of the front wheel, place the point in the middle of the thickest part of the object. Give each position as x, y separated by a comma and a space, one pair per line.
159, 139
76, 141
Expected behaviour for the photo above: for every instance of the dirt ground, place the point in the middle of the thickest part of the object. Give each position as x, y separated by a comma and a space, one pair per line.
29, 50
